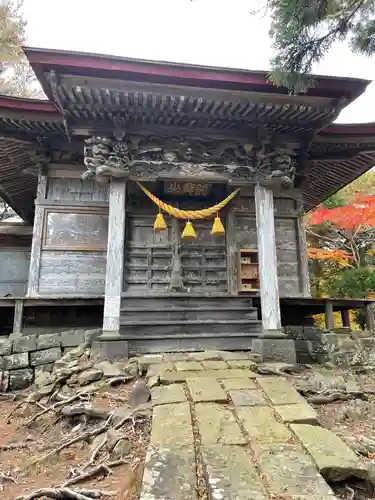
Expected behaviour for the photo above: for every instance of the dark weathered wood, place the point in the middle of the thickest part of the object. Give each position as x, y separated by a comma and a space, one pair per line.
204, 260
98, 206
18, 316
288, 267
115, 258
33, 281
77, 190
175, 329
15, 229
329, 320
232, 254
14, 270
41, 193
345, 318
68, 230
303, 259
79, 273
269, 287
202, 313
369, 316
191, 343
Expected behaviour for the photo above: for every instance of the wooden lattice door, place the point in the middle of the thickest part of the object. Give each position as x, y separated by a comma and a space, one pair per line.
203, 260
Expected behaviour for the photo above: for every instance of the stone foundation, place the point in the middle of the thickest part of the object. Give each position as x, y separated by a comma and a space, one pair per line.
22, 358
340, 346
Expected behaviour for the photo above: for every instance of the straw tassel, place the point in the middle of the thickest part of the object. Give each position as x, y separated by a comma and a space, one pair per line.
159, 224
189, 232
217, 227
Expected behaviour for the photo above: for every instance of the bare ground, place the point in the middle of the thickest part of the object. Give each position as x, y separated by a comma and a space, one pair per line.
22, 474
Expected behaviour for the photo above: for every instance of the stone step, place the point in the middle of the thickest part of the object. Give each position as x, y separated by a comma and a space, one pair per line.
193, 327
139, 315
186, 301
190, 343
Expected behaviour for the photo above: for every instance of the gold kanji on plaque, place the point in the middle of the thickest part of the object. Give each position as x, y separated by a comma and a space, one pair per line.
188, 188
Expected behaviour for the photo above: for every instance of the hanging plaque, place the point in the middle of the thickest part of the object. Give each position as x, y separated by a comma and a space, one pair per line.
197, 189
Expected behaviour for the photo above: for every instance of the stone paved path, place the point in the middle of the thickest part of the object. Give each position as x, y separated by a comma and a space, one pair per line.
219, 426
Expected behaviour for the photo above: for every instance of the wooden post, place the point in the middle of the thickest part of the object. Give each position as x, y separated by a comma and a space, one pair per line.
115, 259
369, 316
303, 260
345, 318
329, 314
36, 245
232, 253
18, 316
269, 286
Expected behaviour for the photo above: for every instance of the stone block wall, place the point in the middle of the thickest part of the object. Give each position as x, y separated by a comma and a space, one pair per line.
340, 346
22, 358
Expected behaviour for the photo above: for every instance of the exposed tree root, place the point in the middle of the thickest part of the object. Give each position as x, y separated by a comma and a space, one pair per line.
56, 406
62, 493
326, 396
104, 469
81, 437
17, 446
329, 397
108, 395
121, 379
6, 396
95, 453
280, 370
88, 411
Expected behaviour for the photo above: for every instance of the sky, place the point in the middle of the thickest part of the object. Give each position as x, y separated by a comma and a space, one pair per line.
209, 32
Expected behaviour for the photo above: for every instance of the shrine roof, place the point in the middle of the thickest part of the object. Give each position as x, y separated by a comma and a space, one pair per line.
135, 93
91, 93
100, 65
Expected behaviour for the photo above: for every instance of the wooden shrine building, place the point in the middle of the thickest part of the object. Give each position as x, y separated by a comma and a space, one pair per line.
223, 163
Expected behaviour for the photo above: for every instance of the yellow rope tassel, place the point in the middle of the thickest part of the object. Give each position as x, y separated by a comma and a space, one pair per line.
217, 227
189, 232
159, 224
188, 214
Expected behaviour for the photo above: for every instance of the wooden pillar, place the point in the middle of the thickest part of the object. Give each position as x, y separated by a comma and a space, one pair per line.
303, 259
36, 245
18, 316
345, 318
115, 259
269, 286
232, 253
329, 314
369, 316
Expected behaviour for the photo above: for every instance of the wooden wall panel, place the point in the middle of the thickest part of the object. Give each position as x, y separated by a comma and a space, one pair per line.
76, 190
76, 273
288, 266
14, 271
286, 249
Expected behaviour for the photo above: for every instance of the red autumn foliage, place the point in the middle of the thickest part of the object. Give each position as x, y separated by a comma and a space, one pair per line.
360, 212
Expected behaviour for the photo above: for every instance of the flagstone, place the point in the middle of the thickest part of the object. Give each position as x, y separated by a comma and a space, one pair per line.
334, 459
301, 413
280, 391
289, 470
261, 425
168, 394
217, 425
248, 397
206, 390
238, 383
232, 474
